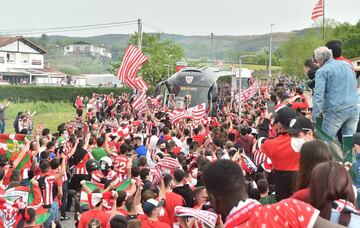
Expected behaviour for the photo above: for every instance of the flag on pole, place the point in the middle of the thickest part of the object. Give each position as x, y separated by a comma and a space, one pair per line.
318, 10
130, 65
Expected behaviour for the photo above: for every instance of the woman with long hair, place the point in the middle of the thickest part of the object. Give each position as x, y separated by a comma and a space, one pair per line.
311, 154
332, 193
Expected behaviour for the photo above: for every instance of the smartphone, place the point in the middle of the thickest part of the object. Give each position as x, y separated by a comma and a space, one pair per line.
271, 107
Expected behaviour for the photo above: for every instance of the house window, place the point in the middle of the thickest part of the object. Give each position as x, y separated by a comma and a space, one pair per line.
24, 58
67, 47
10, 58
358, 63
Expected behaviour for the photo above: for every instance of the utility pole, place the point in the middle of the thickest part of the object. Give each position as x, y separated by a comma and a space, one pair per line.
139, 34
270, 47
239, 104
212, 49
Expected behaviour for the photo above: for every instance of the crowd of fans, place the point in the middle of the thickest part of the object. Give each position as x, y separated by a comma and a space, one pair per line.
264, 168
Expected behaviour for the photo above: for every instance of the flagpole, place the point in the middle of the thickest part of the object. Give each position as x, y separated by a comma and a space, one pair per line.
323, 22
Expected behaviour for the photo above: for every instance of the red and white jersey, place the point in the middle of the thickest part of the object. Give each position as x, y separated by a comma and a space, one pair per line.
96, 176
80, 168
120, 163
46, 184
113, 177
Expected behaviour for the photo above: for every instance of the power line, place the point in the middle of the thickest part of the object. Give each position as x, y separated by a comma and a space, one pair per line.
67, 28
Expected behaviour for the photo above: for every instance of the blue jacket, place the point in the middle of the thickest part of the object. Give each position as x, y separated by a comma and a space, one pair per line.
141, 150
335, 88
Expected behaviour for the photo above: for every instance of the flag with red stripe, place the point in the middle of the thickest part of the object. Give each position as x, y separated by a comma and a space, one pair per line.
139, 103
197, 113
318, 10
140, 84
130, 65
169, 163
248, 93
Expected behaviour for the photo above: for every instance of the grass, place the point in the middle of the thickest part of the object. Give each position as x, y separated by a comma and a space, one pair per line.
48, 114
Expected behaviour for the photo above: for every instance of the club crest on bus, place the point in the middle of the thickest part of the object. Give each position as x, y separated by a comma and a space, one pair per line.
189, 79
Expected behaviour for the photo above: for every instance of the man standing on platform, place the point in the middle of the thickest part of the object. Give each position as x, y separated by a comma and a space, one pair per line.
335, 96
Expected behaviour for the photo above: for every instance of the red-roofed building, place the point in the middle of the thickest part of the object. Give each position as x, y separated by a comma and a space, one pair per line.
22, 61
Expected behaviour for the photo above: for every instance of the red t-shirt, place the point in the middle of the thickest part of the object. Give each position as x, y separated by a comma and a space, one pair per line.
122, 211
99, 214
154, 224
281, 153
163, 218
78, 103
344, 59
302, 195
286, 213
200, 138
172, 200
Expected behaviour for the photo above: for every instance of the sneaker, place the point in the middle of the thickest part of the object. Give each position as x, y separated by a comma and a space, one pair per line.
64, 218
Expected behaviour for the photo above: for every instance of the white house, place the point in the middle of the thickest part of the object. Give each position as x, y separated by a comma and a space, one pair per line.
86, 48
356, 63
22, 61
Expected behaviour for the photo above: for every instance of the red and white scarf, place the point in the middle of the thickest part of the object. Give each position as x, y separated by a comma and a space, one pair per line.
209, 218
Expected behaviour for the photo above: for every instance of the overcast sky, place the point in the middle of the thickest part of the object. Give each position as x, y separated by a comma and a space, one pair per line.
187, 17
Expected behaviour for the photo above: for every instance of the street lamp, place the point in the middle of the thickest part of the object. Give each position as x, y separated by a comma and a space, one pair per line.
170, 56
168, 69
240, 65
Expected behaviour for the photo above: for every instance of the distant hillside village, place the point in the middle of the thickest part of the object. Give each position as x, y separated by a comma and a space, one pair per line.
22, 62
86, 48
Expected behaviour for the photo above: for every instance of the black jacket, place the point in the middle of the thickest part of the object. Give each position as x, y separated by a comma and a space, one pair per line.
186, 193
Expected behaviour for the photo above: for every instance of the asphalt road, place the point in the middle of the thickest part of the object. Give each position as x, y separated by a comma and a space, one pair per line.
69, 223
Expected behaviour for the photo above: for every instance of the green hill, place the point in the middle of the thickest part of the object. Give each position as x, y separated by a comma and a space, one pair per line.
226, 48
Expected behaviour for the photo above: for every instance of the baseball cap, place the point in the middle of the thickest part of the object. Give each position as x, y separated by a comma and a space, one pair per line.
300, 124
285, 115
61, 141
356, 139
150, 204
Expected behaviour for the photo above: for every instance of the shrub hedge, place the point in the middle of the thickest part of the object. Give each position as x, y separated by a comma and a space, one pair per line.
18, 93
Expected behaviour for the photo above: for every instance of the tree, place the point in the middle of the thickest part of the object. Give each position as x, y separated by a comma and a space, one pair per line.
297, 49
162, 55
350, 37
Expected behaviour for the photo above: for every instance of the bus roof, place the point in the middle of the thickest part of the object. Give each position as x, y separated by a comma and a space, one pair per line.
192, 76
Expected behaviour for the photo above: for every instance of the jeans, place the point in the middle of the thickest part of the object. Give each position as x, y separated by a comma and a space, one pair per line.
2, 126
53, 214
346, 119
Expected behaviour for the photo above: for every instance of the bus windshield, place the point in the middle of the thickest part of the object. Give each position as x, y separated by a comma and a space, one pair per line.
189, 95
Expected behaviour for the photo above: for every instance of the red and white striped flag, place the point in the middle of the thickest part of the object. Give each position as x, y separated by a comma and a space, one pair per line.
248, 93
318, 10
197, 113
130, 65
140, 84
169, 163
139, 102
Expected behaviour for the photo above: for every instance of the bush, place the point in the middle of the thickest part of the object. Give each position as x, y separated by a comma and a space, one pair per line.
17, 93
